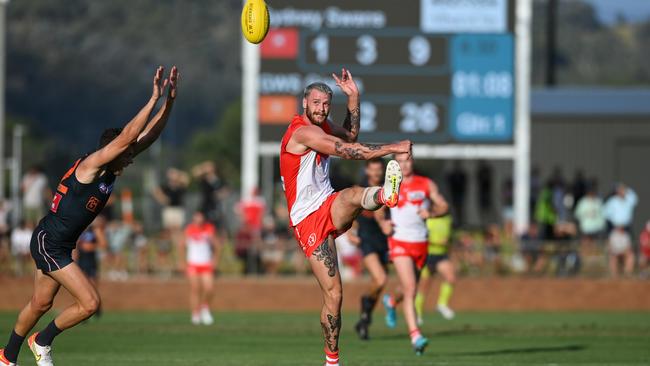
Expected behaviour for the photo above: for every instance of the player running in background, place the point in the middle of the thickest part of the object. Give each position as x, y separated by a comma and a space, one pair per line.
437, 262
316, 212
200, 248
80, 197
90, 241
419, 200
374, 248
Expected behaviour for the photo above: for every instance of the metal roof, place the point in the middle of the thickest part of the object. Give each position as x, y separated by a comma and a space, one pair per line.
591, 101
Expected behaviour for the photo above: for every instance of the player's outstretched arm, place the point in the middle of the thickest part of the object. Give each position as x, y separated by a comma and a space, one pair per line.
89, 167
159, 121
349, 132
316, 139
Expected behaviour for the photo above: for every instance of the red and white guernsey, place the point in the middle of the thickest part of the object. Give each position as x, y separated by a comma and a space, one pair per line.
305, 177
413, 196
199, 248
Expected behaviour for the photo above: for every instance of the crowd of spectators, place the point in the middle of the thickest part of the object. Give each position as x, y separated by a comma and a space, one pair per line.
573, 229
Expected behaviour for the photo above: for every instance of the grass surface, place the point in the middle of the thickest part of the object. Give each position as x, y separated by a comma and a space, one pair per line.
294, 339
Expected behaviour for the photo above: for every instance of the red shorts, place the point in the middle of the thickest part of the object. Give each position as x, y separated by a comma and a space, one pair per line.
315, 228
418, 251
198, 269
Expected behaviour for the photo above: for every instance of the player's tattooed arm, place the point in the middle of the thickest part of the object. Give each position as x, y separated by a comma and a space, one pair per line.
352, 122
315, 138
326, 255
331, 331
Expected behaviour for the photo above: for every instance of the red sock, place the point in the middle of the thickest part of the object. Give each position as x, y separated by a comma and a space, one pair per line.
415, 334
331, 358
379, 196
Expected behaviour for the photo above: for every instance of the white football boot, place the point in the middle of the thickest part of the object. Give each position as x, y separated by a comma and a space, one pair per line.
42, 354
392, 182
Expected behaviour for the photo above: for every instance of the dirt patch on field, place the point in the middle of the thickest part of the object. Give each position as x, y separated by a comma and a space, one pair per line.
302, 294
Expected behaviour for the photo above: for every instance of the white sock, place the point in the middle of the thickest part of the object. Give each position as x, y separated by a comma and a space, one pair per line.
368, 199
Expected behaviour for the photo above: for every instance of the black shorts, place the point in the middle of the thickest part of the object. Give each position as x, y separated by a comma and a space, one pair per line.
49, 256
373, 247
434, 259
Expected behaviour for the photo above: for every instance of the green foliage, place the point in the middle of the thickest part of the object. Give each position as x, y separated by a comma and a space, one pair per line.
221, 143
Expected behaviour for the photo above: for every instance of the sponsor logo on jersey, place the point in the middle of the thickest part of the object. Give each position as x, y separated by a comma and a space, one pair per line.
416, 196
92, 204
104, 188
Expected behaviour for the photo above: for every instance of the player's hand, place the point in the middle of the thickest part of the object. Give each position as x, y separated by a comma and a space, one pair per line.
173, 83
159, 83
405, 147
386, 227
424, 214
346, 83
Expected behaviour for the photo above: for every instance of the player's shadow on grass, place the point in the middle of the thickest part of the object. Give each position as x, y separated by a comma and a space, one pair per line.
510, 351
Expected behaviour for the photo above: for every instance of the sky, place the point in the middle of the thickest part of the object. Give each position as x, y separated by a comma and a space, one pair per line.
633, 10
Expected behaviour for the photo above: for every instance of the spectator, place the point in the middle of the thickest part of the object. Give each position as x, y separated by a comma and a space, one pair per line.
531, 250
20, 248
492, 249
211, 189
119, 235
484, 182
558, 193
508, 212
272, 247
580, 187
251, 213
620, 248
545, 212
644, 248
619, 208
35, 194
590, 216
457, 181
171, 196
5, 209
535, 188
566, 255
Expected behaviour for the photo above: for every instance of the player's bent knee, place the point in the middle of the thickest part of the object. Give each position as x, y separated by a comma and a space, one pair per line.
90, 306
41, 305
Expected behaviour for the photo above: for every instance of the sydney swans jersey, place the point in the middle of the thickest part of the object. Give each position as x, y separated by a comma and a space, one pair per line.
75, 206
413, 196
305, 177
199, 243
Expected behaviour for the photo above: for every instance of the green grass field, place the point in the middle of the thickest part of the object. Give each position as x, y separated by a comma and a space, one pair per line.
294, 339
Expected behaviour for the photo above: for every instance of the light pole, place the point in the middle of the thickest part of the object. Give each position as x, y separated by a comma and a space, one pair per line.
3, 26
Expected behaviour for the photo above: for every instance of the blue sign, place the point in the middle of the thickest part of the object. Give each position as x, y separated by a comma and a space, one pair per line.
482, 90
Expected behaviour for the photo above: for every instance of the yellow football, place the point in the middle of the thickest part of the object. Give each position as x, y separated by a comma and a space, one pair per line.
255, 21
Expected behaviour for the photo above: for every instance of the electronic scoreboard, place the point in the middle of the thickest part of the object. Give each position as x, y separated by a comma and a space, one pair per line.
433, 71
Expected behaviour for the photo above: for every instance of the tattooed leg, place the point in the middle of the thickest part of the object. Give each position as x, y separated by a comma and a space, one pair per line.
324, 266
325, 254
331, 330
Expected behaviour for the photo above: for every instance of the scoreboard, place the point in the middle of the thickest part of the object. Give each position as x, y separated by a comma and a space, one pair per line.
433, 71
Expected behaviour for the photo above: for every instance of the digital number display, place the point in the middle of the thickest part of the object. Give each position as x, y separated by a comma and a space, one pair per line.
428, 82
